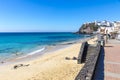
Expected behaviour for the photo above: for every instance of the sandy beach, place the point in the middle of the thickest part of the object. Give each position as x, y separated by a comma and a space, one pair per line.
50, 66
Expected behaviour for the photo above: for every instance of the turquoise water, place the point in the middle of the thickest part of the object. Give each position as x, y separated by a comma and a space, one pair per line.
16, 44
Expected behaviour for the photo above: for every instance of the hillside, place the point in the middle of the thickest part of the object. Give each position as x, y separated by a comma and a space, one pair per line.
88, 28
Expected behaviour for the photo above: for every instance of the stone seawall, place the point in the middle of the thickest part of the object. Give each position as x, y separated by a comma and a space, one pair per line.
92, 54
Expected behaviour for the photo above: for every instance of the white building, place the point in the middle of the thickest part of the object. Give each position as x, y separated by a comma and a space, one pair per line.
106, 30
106, 27
103, 23
117, 25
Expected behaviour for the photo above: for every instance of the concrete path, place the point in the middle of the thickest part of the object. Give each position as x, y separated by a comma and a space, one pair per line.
108, 67
112, 60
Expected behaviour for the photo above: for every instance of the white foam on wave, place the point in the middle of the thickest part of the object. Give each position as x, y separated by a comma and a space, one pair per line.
32, 53
37, 51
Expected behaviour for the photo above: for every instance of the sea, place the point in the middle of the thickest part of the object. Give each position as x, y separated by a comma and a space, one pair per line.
28, 43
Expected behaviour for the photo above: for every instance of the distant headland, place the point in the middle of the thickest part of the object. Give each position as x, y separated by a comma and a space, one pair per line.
99, 27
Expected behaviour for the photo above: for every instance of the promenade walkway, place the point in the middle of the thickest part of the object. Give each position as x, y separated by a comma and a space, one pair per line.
108, 67
112, 60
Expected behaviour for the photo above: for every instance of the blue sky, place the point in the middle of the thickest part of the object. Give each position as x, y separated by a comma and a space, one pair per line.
54, 15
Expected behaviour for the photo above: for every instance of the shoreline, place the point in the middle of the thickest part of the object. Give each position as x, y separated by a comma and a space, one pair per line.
38, 53
50, 66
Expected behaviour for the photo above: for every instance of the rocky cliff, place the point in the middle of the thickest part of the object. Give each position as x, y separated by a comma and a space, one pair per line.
88, 28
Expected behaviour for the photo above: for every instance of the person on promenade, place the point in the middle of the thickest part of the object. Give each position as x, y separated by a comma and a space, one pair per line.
109, 36
106, 36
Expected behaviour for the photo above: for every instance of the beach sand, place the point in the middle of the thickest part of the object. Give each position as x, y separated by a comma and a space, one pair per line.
50, 66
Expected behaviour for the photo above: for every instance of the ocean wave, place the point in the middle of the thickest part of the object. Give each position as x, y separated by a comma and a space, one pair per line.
37, 51
32, 53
